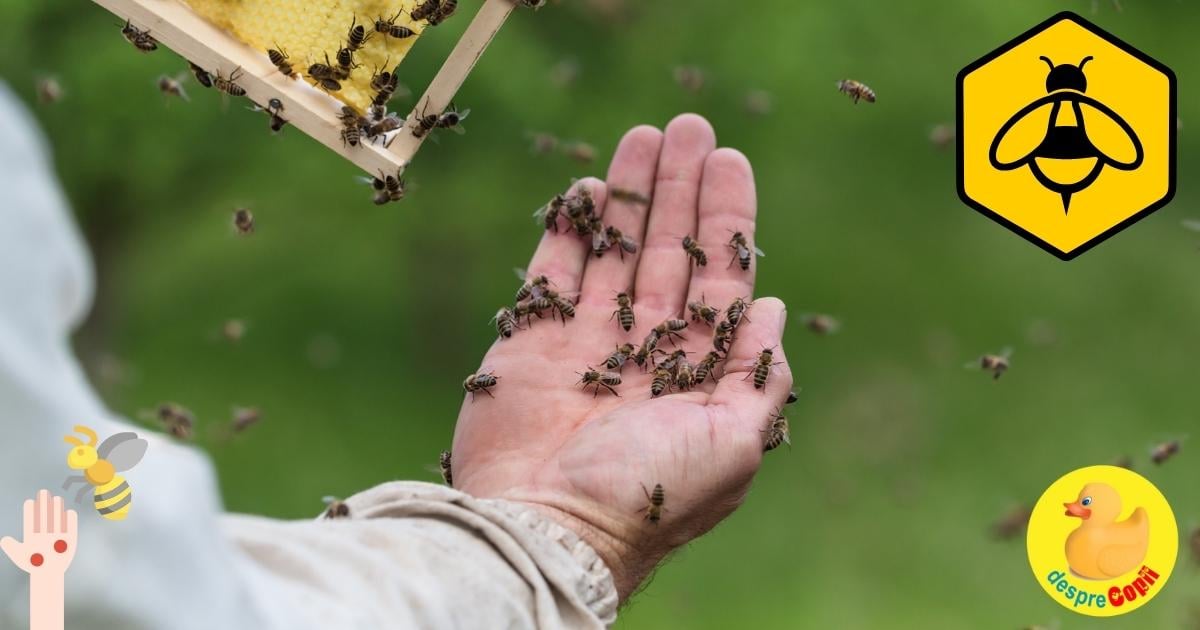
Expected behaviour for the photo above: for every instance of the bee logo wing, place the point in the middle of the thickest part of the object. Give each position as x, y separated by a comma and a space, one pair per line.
1111, 137
123, 450
1021, 136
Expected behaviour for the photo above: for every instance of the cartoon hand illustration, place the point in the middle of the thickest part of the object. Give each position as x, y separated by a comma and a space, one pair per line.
45, 552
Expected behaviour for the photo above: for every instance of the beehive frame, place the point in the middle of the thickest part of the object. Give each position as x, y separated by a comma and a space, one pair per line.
178, 27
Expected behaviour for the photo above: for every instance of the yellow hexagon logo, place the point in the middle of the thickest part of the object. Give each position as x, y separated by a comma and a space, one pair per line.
1066, 135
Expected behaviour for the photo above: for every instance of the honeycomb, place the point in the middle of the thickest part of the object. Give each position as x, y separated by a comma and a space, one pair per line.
307, 31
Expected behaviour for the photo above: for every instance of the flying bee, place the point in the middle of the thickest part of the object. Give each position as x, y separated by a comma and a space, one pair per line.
791, 399
777, 432
444, 466
243, 221
706, 367
723, 336
227, 85
624, 243
49, 90
506, 321
737, 312
357, 35
452, 119
177, 420
533, 4
244, 418
565, 307
279, 59
548, 214
351, 126
856, 91
380, 196
762, 367
542, 143
619, 357
821, 324
391, 29
690, 78
1124, 461
1011, 523
1050, 136
670, 329
393, 185
139, 38
233, 330
757, 102
661, 382
702, 312
202, 75
655, 500
742, 251
997, 364
695, 254
579, 151
607, 380
443, 12
628, 196
424, 10
335, 508
624, 312
112, 495
1164, 451
941, 136
172, 86
481, 382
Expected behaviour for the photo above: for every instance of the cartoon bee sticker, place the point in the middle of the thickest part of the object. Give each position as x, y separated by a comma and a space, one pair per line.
100, 465
1081, 136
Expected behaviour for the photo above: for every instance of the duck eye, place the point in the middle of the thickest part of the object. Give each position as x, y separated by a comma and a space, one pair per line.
1086, 501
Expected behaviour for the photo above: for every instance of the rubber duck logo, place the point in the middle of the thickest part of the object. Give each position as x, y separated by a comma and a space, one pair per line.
1065, 112
1112, 549
112, 495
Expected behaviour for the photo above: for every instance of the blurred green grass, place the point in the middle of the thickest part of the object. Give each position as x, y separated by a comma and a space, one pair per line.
879, 514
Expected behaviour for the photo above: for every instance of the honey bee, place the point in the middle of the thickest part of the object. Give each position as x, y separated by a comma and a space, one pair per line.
580, 151
702, 312
655, 507
444, 465
452, 119
821, 324
684, 374
695, 254
351, 126
1124, 461
391, 29
723, 336
279, 59
646, 351
233, 330
1012, 523
762, 368
202, 75
506, 321
742, 251
176, 420
345, 64
227, 85
628, 196
757, 103
243, 221
997, 364
942, 136
49, 90
673, 360
443, 12
548, 214
661, 382
112, 496
624, 243
139, 38
619, 357
335, 508
792, 398
357, 35
381, 127
607, 380
529, 309
533, 4
172, 86
244, 418
393, 185
777, 432
690, 78
670, 329
624, 312
856, 91
385, 85
600, 242
565, 307
481, 382
425, 10
1164, 451
424, 123
537, 286
736, 312
323, 75
273, 109
706, 367
542, 143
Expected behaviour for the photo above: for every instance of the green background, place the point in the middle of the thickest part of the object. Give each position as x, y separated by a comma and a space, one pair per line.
879, 514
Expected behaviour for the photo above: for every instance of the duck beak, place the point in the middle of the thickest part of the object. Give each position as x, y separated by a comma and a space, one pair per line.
1074, 509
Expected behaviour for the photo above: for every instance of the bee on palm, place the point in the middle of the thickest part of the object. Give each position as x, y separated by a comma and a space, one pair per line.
654, 508
702, 312
694, 252
596, 379
616, 361
624, 313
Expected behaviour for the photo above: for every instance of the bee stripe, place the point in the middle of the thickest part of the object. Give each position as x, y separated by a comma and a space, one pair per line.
112, 494
116, 507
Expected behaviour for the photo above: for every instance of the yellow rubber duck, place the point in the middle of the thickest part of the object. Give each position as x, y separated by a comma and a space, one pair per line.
1101, 548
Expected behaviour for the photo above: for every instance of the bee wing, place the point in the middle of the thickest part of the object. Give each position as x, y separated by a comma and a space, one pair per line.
1020, 136
759, 252
1191, 224
972, 365
459, 129
463, 114
123, 450
521, 273
1116, 141
1006, 352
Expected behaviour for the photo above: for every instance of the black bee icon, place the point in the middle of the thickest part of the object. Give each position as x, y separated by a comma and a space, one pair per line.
1065, 147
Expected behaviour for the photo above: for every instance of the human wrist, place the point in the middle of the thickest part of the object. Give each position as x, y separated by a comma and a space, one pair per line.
46, 592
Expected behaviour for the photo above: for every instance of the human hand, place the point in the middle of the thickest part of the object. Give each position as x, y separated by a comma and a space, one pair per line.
48, 544
587, 460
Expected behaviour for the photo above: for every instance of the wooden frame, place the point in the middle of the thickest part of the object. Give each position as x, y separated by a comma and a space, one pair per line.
315, 113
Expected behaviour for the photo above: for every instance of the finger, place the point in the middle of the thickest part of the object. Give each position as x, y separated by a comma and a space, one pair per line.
561, 256
727, 205
30, 517
11, 548
633, 169
58, 520
661, 281
41, 511
735, 391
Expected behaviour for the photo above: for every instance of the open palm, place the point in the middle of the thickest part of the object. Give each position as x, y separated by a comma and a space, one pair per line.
588, 459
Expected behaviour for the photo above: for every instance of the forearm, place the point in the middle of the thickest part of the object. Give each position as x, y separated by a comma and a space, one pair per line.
45, 602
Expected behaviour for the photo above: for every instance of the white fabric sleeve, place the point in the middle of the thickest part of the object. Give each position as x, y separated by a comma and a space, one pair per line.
411, 555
